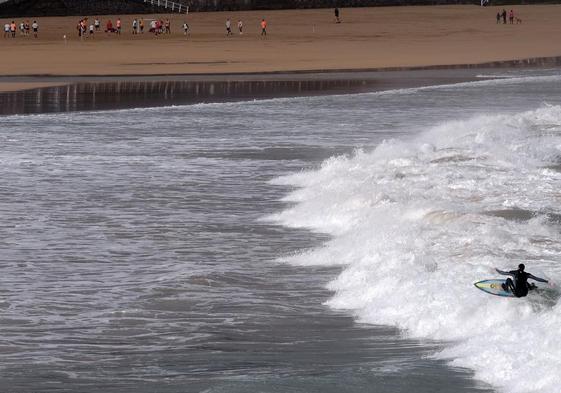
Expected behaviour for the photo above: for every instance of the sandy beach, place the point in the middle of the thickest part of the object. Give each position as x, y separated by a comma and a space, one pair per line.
297, 40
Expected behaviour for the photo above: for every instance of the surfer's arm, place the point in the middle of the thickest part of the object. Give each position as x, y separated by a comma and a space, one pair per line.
536, 278
505, 273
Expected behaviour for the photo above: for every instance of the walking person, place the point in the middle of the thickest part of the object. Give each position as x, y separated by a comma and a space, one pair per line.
337, 12
6, 30
504, 16
35, 27
511, 17
13, 29
141, 25
185, 28
168, 26
498, 17
228, 27
118, 24
134, 26
263, 27
97, 24
240, 27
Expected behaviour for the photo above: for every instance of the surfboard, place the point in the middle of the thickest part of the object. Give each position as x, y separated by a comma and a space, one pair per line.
493, 287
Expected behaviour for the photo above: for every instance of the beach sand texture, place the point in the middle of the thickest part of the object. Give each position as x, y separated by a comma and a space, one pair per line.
297, 40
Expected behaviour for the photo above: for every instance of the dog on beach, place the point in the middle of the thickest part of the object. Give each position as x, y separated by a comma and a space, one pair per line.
518, 20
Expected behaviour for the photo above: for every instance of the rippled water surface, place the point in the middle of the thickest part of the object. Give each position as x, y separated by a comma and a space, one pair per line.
136, 255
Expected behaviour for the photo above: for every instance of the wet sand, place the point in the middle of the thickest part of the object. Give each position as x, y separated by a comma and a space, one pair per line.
297, 40
121, 92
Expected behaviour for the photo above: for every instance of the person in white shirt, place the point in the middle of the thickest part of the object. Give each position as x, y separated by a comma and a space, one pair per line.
6, 30
185, 28
240, 27
35, 27
228, 27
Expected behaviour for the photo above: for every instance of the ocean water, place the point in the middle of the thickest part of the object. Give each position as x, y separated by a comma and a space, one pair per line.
321, 244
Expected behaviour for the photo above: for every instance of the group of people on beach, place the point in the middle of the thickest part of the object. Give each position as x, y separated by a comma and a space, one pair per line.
25, 28
501, 16
263, 26
87, 28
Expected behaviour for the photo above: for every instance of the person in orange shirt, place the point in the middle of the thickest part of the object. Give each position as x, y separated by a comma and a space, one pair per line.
13, 28
119, 26
263, 27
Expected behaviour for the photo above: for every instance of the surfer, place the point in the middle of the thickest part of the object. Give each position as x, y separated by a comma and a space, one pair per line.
520, 286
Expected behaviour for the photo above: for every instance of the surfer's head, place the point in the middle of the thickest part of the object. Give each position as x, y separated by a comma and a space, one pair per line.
521, 267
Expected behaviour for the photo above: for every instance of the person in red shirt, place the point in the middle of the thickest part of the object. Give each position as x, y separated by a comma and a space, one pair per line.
263, 27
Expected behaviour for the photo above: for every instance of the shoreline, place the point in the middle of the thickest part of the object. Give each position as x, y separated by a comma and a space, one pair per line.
113, 93
14, 83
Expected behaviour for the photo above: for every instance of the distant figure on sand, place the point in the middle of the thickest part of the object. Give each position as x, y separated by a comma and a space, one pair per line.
6, 30
185, 28
13, 29
168, 26
109, 27
498, 17
119, 26
228, 27
97, 24
35, 27
511, 17
337, 19
263, 27
504, 16
240, 27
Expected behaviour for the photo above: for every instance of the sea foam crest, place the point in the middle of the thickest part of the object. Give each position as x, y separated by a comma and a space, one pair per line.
415, 223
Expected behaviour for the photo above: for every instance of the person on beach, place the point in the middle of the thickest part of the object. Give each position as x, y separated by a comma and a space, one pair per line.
13, 29
504, 16
511, 17
118, 26
185, 28
240, 27
35, 27
263, 27
134, 26
6, 30
520, 286
168, 27
498, 17
141, 25
27, 27
92, 29
109, 27
337, 19
97, 24
228, 27
22, 28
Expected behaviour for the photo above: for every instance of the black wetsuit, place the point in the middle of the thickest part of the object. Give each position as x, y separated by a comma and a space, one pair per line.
520, 284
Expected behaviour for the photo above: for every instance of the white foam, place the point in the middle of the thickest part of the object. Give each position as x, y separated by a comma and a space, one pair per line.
416, 222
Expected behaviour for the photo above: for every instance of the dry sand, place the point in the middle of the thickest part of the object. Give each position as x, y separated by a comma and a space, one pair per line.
368, 38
